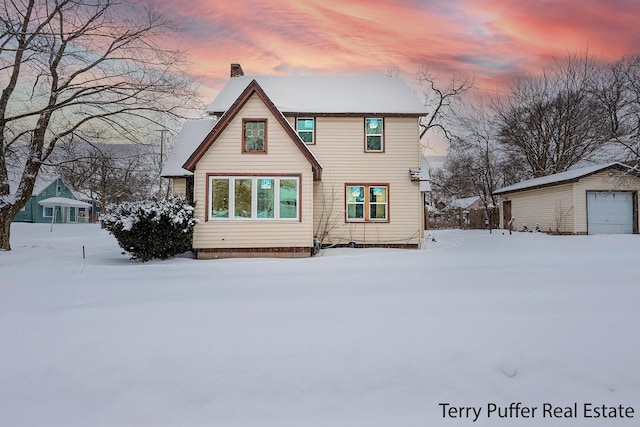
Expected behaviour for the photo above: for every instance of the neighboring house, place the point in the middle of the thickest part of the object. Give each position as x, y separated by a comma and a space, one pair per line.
54, 201
600, 199
294, 158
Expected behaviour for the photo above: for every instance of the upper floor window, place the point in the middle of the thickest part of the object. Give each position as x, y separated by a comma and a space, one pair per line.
254, 136
374, 134
306, 128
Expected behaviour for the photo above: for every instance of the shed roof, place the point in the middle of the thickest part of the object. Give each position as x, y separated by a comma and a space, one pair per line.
366, 94
569, 176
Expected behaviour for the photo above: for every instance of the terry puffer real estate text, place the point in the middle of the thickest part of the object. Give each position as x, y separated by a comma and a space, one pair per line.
546, 410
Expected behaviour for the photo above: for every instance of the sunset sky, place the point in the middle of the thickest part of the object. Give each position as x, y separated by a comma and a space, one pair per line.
490, 40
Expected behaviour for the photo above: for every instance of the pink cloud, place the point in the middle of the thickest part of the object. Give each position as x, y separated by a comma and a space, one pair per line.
489, 39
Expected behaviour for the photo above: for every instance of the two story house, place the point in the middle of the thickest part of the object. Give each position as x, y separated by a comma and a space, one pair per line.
285, 160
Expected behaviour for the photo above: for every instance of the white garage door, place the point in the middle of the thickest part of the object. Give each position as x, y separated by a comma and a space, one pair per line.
610, 212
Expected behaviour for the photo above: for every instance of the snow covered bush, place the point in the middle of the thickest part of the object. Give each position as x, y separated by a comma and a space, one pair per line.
151, 228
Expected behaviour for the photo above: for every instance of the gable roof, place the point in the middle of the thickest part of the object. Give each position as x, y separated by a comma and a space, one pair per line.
328, 95
234, 109
191, 135
567, 177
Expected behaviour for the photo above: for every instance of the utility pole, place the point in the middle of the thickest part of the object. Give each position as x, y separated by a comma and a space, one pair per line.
162, 131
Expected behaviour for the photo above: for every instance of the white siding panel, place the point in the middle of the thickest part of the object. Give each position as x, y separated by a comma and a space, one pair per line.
552, 208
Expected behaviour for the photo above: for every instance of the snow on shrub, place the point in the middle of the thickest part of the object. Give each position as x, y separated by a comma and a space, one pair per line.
151, 228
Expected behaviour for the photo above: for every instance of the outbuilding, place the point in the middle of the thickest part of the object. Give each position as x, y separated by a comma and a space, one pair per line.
598, 199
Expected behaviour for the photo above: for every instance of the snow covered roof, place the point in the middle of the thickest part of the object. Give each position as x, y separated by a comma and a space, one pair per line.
192, 134
327, 94
253, 88
572, 175
464, 203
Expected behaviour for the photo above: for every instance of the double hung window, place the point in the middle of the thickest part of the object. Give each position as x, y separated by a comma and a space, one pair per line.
254, 197
374, 134
367, 202
306, 129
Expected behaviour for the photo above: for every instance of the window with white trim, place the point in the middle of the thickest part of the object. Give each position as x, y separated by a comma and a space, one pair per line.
367, 202
374, 134
47, 211
306, 127
254, 197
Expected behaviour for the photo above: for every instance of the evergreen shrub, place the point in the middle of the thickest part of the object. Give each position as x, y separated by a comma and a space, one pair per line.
152, 228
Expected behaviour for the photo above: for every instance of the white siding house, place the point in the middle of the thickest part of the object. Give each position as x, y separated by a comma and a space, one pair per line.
293, 160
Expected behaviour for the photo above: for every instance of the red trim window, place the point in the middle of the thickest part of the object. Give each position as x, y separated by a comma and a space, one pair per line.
367, 202
254, 197
254, 135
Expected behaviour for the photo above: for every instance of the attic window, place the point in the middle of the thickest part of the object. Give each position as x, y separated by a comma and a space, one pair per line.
254, 136
374, 134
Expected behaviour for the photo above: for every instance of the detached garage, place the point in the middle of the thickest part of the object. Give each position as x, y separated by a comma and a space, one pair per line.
601, 199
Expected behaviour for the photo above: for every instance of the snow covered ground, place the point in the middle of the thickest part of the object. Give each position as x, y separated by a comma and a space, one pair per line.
352, 337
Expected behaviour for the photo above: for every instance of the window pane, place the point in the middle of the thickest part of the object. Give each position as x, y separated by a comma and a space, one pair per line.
374, 143
219, 198
355, 211
305, 124
265, 197
307, 137
288, 198
378, 211
254, 133
374, 126
355, 194
242, 193
378, 194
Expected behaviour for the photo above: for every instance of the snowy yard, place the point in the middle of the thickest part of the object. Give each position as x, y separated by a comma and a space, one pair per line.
352, 337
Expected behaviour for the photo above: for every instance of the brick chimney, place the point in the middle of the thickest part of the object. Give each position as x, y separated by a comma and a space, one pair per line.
236, 70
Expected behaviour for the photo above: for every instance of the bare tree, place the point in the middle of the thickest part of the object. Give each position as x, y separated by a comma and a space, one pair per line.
109, 173
79, 70
552, 121
475, 165
444, 104
618, 89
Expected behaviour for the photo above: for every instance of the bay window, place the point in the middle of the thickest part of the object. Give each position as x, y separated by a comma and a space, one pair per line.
367, 202
253, 197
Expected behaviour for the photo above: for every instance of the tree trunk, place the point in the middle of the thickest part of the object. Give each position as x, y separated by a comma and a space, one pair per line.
5, 229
